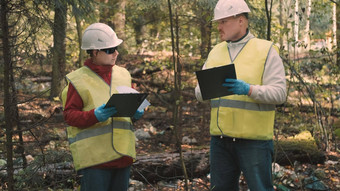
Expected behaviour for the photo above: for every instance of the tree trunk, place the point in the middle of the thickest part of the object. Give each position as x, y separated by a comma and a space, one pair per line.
296, 26
167, 166
307, 29
281, 24
177, 90
338, 34
59, 52
204, 17
334, 26
80, 35
8, 94
119, 21
162, 166
269, 17
304, 151
140, 31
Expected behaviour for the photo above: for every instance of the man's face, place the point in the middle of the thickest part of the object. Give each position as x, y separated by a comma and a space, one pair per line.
230, 28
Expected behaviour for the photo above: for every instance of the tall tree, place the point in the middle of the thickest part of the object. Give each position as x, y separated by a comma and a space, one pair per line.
269, 17
20, 21
281, 23
296, 26
334, 25
119, 20
307, 28
80, 35
177, 87
338, 32
8, 92
59, 49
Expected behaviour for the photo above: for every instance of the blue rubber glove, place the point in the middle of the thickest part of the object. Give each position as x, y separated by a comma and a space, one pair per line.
102, 114
238, 87
138, 114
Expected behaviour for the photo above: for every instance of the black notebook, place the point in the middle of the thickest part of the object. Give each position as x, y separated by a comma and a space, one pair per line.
126, 103
211, 80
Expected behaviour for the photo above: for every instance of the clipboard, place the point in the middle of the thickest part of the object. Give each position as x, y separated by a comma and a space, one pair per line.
126, 103
211, 80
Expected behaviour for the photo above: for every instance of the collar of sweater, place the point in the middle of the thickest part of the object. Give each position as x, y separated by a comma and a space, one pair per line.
243, 40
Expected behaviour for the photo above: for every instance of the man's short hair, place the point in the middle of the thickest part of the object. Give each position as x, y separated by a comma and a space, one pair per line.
244, 14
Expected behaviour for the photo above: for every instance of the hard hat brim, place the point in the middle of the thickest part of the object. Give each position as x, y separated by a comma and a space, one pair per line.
117, 43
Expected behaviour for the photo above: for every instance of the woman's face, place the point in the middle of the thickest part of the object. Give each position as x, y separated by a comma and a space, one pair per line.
105, 56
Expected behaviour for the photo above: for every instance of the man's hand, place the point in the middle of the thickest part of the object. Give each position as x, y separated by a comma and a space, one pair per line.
102, 114
238, 87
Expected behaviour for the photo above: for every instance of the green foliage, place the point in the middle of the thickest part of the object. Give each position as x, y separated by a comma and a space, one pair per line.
258, 19
320, 22
146, 21
337, 133
149, 25
82, 8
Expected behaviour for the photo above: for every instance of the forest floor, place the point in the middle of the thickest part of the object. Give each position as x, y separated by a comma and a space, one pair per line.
48, 137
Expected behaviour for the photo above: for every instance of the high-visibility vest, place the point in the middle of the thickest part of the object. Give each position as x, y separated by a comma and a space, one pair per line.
239, 116
104, 141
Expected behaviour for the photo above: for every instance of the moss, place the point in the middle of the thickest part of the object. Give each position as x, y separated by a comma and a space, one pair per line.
301, 147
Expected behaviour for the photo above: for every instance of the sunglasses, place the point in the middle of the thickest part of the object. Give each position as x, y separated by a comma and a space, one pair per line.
109, 50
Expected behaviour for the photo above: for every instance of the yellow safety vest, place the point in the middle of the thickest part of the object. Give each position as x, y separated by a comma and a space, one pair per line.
239, 116
104, 141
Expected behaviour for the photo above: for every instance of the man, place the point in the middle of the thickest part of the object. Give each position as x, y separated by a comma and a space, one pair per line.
241, 125
103, 147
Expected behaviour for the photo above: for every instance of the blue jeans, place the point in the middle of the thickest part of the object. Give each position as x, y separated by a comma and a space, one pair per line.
228, 158
93, 179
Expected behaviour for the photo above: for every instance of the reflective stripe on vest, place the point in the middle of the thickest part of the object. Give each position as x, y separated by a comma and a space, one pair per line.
100, 131
240, 116
242, 105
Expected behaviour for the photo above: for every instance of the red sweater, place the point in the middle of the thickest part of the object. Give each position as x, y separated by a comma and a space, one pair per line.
75, 116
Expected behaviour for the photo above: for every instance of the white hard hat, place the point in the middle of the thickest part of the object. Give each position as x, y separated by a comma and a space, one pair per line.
228, 8
99, 36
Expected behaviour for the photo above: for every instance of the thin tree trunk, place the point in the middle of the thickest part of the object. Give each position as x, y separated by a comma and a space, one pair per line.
269, 17
205, 29
281, 23
296, 26
178, 98
119, 21
79, 33
338, 33
140, 31
177, 91
8, 104
307, 36
334, 25
59, 52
